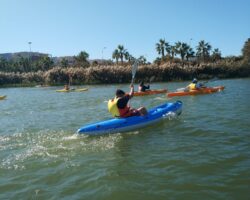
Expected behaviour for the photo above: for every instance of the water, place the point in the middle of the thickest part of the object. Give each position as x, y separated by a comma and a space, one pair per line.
203, 154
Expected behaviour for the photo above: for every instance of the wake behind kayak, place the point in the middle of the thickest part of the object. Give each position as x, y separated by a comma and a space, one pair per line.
118, 125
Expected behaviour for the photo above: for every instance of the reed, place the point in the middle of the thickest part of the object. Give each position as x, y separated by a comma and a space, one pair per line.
108, 74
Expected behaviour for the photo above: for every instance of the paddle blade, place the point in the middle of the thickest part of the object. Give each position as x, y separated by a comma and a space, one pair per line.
180, 89
151, 79
134, 69
211, 80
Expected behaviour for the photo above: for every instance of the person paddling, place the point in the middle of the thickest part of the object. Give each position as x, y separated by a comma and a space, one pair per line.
119, 107
194, 85
66, 87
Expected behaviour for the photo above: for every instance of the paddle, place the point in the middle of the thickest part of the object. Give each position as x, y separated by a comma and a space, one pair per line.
134, 69
211, 80
180, 89
151, 79
70, 80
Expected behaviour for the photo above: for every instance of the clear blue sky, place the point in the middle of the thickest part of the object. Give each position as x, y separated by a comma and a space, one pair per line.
66, 27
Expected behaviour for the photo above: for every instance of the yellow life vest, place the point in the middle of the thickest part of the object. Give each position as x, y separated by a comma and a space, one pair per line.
192, 86
113, 108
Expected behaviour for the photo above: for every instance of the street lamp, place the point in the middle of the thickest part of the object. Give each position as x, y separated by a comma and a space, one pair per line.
30, 48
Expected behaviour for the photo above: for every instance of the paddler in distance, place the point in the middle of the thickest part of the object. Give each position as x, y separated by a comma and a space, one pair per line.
142, 87
119, 107
194, 85
66, 87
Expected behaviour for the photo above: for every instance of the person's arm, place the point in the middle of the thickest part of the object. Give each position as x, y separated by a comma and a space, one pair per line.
187, 88
199, 86
122, 102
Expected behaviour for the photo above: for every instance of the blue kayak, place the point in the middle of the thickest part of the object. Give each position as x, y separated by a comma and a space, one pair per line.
118, 125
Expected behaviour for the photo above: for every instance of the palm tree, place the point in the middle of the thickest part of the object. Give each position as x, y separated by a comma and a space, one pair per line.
168, 48
142, 60
122, 52
216, 55
203, 50
190, 53
81, 59
182, 49
128, 57
161, 47
173, 51
115, 55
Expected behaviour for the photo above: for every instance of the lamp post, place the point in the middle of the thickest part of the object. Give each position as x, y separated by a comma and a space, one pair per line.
30, 49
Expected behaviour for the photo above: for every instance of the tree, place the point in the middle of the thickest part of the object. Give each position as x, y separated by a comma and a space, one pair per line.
161, 47
157, 61
115, 55
121, 51
64, 63
190, 53
173, 51
82, 59
203, 50
182, 49
246, 51
128, 57
3, 64
216, 55
24, 64
142, 60
46, 63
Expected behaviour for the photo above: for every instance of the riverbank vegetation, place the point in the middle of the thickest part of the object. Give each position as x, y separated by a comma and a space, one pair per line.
175, 62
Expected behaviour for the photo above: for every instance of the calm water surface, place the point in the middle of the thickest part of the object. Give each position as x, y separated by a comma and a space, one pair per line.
202, 154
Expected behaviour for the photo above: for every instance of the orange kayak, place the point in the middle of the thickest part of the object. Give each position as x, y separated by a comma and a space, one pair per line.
207, 90
150, 92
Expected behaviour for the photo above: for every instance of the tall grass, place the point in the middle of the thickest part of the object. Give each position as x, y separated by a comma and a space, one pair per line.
122, 73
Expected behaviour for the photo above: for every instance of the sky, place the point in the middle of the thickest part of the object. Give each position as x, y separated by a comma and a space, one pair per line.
67, 27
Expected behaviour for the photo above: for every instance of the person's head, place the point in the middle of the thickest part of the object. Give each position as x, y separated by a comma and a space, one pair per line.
194, 80
119, 93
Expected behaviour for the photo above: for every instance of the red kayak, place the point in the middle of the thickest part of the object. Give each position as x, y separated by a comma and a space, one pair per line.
150, 92
206, 90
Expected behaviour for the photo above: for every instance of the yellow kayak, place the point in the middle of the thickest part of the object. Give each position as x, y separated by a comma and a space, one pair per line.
3, 97
73, 90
